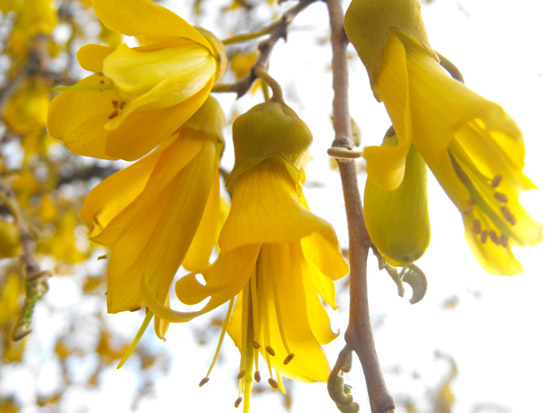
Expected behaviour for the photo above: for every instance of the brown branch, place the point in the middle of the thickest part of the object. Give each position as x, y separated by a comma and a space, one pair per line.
36, 285
359, 332
277, 30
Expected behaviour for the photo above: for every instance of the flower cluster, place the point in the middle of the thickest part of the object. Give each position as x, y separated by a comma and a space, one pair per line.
276, 262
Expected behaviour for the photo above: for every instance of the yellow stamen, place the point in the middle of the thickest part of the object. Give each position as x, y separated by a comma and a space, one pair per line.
288, 358
273, 383
270, 351
135, 341
220, 341
496, 181
238, 402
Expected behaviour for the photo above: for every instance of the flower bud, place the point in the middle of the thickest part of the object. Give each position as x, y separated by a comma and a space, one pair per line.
268, 129
398, 221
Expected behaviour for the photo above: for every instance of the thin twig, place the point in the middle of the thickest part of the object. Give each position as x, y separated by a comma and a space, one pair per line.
359, 332
35, 278
277, 30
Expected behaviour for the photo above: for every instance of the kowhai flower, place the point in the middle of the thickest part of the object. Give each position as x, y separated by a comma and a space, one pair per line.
139, 95
159, 212
276, 258
473, 147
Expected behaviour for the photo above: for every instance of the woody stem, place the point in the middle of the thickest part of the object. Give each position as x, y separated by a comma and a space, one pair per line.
359, 332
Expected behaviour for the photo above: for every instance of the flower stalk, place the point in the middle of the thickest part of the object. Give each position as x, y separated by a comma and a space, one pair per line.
359, 332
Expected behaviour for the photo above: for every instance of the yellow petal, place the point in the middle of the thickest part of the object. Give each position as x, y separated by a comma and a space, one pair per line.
77, 118
91, 56
226, 276
386, 164
143, 19
142, 131
152, 78
281, 273
154, 241
198, 254
265, 204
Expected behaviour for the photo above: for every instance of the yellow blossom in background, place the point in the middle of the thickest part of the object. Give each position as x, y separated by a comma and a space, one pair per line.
473, 147
159, 212
276, 258
27, 108
140, 95
32, 19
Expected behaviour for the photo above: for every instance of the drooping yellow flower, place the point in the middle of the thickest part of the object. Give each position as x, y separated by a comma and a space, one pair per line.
276, 258
397, 221
473, 147
139, 95
159, 212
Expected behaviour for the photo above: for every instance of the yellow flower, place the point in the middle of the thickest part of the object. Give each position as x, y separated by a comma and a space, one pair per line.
140, 95
26, 110
277, 258
475, 150
159, 212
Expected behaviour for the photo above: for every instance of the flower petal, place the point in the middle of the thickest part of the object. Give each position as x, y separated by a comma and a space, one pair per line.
145, 20
265, 202
77, 118
142, 131
171, 73
91, 56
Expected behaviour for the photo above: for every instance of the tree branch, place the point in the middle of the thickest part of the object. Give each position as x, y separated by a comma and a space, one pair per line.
277, 30
359, 332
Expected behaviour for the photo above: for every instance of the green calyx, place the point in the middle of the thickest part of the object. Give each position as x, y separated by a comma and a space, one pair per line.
368, 22
208, 120
269, 129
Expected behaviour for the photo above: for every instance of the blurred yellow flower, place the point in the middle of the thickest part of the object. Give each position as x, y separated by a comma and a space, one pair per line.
140, 95
277, 258
473, 147
159, 212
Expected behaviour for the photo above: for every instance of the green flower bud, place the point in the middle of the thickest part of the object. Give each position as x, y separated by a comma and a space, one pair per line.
398, 221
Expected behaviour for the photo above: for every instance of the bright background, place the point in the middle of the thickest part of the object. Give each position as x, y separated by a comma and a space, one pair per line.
495, 328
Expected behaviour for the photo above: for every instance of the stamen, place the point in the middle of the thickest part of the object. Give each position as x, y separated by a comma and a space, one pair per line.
238, 402
494, 237
135, 309
256, 345
220, 341
122, 105
501, 197
241, 374
103, 257
288, 358
496, 181
270, 351
135, 341
504, 240
477, 226
257, 376
273, 383
113, 115
484, 236
508, 215
115, 103
469, 207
